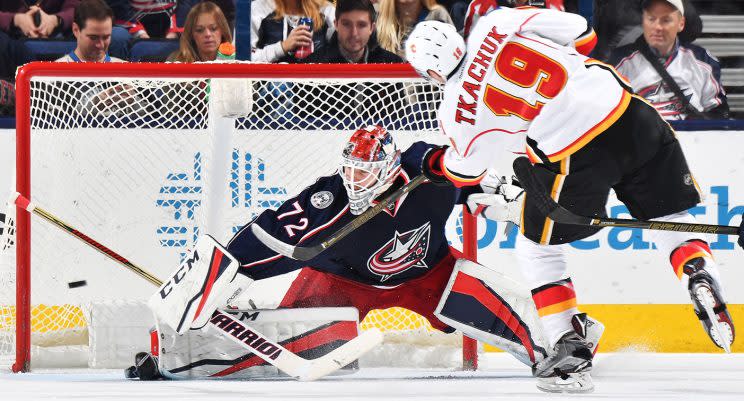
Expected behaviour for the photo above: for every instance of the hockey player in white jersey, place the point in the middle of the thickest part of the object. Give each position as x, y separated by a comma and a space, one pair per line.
519, 86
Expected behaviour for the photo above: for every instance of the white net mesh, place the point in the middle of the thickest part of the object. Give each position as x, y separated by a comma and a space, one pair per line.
142, 166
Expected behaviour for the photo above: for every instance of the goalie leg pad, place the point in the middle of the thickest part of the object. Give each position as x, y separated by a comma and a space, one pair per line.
310, 332
204, 282
488, 306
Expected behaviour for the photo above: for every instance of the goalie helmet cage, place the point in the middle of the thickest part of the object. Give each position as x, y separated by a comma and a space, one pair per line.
144, 157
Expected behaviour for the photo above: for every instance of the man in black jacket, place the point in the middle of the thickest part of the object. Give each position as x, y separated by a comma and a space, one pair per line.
354, 40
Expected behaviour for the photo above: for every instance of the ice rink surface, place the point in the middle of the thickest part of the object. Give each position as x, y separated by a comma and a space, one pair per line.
620, 376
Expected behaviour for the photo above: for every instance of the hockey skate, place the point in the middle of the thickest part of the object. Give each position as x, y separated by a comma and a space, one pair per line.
566, 369
706, 298
145, 368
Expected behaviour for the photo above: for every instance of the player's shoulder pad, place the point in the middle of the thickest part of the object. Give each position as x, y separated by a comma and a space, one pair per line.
326, 193
318, 205
561, 27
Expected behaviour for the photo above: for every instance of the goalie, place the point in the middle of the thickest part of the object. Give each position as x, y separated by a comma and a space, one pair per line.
400, 257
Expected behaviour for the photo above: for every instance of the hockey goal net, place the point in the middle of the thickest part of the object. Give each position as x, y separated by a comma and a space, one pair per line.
146, 157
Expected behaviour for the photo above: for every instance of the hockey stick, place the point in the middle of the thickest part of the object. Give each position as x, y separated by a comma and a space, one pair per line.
308, 252
551, 209
268, 350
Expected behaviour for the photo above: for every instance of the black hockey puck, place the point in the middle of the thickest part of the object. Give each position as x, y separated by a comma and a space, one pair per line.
76, 284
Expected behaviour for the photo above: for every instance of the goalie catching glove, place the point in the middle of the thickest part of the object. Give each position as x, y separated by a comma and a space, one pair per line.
504, 205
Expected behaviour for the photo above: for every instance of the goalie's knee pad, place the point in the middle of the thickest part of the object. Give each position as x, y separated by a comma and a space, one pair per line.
209, 353
204, 282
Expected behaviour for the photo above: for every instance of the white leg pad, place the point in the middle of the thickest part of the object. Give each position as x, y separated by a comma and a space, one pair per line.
209, 353
204, 282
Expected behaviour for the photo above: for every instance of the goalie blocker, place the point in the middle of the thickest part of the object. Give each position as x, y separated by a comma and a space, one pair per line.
204, 282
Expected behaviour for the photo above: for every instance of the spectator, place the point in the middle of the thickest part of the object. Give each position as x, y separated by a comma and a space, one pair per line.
354, 40
55, 18
276, 33
681, 80
618, 23
146, 19
457, 10
7, 98
12, 55
398, 17
227, 7
205, 29
92, 25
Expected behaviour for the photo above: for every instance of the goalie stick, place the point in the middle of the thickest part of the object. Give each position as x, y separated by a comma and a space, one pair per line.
551, 209
268, 350
306, 253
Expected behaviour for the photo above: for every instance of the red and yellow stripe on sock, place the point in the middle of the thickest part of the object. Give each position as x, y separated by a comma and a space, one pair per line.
555, 297
687, 252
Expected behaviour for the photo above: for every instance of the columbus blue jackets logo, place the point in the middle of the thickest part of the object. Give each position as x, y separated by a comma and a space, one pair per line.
402, 252
322, 199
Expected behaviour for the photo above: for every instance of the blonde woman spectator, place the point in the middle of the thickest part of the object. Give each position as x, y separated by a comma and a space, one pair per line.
398, 17
205, 29
276, 33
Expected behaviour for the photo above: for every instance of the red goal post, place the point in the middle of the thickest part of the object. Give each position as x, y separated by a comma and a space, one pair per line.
133, 75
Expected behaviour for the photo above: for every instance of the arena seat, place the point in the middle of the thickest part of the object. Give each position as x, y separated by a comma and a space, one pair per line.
48, 49
152, 49
723, 36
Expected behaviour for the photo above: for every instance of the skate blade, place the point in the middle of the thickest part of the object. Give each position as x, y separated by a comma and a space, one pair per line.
718, 330
574, 383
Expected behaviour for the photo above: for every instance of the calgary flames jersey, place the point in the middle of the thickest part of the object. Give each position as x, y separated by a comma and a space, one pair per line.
524, 87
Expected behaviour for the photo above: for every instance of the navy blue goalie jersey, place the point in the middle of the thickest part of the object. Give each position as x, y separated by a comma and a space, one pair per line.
397, 245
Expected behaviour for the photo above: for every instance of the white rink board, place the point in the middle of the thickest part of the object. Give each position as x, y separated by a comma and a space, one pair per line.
613, 269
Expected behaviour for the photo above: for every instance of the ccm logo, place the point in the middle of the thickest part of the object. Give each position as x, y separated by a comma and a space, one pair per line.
179, 275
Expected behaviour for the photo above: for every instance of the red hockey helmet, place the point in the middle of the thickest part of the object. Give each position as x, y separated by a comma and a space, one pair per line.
371, 161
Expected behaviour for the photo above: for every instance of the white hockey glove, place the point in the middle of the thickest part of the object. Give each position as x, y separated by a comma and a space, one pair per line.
504, 205
492, 181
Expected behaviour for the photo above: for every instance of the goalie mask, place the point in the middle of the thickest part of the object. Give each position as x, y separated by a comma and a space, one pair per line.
371, 161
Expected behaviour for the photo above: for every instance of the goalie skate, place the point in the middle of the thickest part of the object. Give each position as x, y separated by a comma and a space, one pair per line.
707, 301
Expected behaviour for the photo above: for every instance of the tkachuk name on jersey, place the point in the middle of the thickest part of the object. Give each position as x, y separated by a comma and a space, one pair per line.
242, 333
477, 70
402, 252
